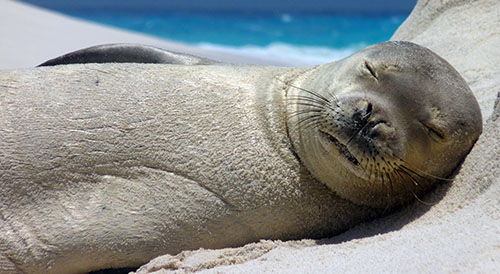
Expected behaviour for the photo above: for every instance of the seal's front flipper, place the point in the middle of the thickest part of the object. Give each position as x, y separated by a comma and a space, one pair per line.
126, 53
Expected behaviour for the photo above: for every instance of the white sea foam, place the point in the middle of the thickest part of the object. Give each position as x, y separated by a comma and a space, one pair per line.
286, 53
286, 18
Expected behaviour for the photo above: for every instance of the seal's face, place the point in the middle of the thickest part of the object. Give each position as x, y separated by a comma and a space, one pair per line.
384, 125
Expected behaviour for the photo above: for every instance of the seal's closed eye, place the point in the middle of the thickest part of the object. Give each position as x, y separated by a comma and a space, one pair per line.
435, 133
370, 69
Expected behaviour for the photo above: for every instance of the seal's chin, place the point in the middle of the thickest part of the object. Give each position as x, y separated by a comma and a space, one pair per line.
343, 150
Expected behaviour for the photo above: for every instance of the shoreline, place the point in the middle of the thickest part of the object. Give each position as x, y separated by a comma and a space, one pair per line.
34, 35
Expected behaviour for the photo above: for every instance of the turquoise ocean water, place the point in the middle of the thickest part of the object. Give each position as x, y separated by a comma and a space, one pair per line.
311, 38
308, 37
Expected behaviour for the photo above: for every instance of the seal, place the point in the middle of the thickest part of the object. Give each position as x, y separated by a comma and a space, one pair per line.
389, 123
110, 165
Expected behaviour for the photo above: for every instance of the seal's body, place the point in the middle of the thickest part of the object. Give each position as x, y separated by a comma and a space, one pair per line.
121, 163
110, 165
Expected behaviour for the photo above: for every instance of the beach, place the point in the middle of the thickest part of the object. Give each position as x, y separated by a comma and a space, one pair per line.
455, 228
34, 35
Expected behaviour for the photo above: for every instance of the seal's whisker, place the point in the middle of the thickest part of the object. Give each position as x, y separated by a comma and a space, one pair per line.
423, 202
377, 168
303, 89
310, 103
299, 98
400, 174
388, 185
363, 167
380, 175
294, 114
391, 187
386, 177
308, 122
356, 134
371, 172
415, 182
409, 170
366, 168
307, 104
308, 91
311, 124
394, 170
414, 194
316, 102
334, 98
399, 171
312, 107
419, 173
314, 116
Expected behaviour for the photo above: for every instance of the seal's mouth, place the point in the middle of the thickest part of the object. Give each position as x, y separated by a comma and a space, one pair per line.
342, 148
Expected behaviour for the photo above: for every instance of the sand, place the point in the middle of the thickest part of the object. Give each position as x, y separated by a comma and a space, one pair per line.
457, 229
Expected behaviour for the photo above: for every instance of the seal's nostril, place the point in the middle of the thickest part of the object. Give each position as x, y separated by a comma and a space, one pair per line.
369, 110
363, 113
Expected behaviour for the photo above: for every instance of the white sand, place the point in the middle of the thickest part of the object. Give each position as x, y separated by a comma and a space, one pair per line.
31, 35
459, 233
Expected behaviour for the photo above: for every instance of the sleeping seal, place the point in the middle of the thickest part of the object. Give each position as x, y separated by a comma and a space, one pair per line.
110, 165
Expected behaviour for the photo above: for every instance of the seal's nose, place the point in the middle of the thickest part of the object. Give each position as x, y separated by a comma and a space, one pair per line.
368, 124
380, 130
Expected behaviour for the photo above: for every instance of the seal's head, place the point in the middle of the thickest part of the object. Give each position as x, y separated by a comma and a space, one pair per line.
383, 125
